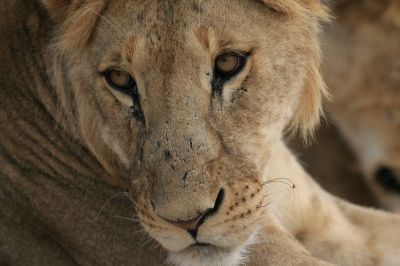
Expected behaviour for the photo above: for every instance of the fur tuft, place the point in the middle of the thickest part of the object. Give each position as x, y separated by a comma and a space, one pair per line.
302, 8
77, 20
79, 25
59, 9
310, 106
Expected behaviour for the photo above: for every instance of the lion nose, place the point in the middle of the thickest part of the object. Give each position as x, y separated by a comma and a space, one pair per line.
193, 224
188, 225
387, 179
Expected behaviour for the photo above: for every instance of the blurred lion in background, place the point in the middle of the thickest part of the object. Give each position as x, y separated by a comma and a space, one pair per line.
362, 68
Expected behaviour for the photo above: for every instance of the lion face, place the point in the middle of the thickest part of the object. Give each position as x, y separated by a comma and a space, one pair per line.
363, 70
373, 130
186, 102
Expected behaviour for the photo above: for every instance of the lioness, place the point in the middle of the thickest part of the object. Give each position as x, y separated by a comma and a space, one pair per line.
362, 54
178, 107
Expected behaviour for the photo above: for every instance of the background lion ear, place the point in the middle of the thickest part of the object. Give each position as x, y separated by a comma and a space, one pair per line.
392, 14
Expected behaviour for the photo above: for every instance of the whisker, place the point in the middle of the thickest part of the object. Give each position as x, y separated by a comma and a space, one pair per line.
147, 240
287, 182
130, 198
129, 219
283, 180
279, 189
154, 245
102, 208
277, 198
140, 231
109, 35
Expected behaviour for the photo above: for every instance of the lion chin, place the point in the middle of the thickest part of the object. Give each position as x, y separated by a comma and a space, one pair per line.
201, 254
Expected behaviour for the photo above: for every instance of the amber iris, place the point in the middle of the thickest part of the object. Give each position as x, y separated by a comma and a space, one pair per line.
118, 78
227, 63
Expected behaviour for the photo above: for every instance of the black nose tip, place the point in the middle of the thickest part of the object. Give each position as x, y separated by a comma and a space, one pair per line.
218, 203
387, 179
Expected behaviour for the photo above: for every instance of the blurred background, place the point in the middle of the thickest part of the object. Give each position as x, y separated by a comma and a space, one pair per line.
356, 153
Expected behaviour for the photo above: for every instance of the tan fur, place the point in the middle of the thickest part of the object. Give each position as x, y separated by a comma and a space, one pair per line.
362, 69
330, 228
72, 147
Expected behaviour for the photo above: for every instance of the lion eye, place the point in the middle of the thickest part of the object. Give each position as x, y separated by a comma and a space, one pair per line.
227, 64
124, 83
120, 80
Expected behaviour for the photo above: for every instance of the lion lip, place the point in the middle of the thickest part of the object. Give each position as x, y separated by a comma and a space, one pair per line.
200, 244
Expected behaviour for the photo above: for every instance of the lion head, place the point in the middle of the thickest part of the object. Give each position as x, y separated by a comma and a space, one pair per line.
184, 102
363, 70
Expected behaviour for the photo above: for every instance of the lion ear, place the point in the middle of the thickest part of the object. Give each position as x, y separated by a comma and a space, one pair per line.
305, 8
310, 107
59, 9
76, 19
306, 116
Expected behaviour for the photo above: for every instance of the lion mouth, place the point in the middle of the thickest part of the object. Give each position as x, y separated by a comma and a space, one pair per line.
207, 248
200, 244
